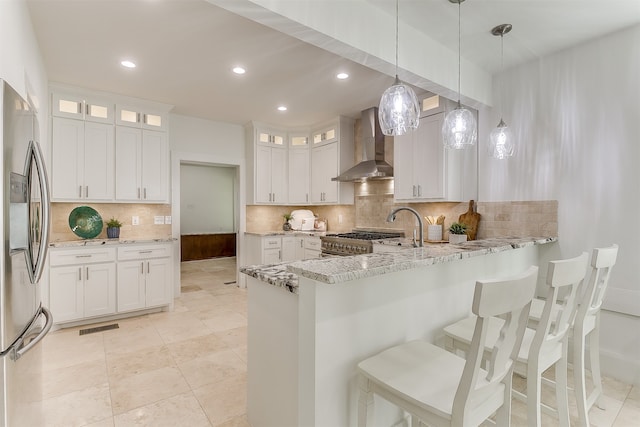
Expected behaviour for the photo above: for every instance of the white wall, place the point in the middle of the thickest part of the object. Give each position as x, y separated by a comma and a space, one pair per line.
576, 116
207, 199
21, 63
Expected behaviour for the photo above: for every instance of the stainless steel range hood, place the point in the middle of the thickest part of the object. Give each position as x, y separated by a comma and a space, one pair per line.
372, 146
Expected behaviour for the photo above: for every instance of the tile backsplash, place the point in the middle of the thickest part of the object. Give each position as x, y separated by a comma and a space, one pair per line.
374, 200
60, 230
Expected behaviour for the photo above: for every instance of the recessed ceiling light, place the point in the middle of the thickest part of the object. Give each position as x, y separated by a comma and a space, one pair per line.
239, 70
282, 108
128, 64
342, 76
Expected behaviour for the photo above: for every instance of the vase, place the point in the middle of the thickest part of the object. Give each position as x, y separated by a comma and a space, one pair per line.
286, 226
113, 232
457, 238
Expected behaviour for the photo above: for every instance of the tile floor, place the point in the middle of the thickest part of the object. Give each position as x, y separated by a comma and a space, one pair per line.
188, 367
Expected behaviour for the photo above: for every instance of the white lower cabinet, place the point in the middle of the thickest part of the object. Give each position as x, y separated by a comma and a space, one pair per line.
86, 283
144, 274
82, 284
275, 249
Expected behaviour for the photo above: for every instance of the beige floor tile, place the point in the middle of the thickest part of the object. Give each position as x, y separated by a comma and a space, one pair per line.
193, 348
628, 416
78, 377
107, 422
145, 388
78, 408
234, 338
67, 348
225, 400
132, 337
120, 366
180, 410
241, 352
174, 327
222, 320
212, 368
240, 421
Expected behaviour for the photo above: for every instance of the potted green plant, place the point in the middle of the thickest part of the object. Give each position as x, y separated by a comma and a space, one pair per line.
113, 228
287, 225
458, 232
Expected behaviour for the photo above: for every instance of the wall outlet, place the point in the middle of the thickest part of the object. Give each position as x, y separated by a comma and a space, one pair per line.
167, 219
135, 220
340, 219
158, 219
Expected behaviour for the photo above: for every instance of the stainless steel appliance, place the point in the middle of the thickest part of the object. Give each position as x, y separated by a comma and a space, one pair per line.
354, 243
25, 227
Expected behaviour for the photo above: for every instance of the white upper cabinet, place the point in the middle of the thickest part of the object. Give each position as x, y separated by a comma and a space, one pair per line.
141, 165
424, 170
332, 152
266, 165
299, 168
82, 160
139, 117
82, 107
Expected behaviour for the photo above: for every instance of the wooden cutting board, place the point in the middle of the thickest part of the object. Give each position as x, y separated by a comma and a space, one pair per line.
471, 219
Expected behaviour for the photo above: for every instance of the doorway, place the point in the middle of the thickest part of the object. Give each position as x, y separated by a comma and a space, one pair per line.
207, 211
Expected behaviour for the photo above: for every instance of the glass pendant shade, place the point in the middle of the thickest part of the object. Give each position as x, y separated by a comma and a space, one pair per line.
459, 129
399, 110
501, 142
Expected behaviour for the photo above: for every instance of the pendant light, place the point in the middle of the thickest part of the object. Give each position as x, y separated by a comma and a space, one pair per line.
459, 129
399, 111
501, 138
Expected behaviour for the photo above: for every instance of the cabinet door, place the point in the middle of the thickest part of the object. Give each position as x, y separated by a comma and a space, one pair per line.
154, 166
311, 254
67, 158
131, 288
263, 174
66, 293
428, 167
288, 248
324, 166
98, 161
299, 175
271, 256
128, 152
99, 289
158, 274
403, 181
278, 175
299, 248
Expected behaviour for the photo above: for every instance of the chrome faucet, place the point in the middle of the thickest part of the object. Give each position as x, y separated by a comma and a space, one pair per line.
392, 217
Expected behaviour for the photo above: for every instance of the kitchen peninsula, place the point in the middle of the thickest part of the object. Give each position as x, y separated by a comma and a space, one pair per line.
311, 322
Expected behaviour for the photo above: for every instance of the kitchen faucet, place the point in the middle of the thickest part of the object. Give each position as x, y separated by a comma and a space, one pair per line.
392, 217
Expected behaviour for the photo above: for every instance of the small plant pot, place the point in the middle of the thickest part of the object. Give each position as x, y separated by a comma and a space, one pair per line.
286, 226
113, 232
457, 238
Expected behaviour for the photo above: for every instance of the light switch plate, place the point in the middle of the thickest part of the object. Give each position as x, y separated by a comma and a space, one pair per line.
158, 219
135, 220
167, 219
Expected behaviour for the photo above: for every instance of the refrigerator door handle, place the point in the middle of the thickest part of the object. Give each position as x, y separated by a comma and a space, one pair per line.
36, 159
19, 349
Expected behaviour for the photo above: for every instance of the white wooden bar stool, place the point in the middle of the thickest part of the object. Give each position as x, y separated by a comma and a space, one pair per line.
442, 389
586, 327
541, 348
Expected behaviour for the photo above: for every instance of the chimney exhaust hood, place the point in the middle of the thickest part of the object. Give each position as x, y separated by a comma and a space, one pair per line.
372, 142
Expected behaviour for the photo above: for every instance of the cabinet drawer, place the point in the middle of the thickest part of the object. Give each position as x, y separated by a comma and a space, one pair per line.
271, 242
143, 252
312, 243
81, 256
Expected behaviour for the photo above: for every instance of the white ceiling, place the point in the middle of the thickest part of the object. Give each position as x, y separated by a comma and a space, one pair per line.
185, 50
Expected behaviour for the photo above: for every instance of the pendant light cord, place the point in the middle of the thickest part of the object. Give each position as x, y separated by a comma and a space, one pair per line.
397, 21
501, 74
459, 45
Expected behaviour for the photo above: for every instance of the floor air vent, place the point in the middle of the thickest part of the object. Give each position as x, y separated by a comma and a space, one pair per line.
99, 329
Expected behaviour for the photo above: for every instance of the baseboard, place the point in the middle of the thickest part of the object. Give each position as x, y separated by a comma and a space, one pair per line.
619, 367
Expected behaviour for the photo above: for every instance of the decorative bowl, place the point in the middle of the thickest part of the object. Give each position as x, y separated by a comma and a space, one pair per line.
85, 222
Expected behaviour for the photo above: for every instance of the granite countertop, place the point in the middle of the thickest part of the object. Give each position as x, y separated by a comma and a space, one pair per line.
100, 242
343, 269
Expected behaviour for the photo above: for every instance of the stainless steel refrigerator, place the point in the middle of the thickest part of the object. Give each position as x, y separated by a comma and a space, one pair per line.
25, 226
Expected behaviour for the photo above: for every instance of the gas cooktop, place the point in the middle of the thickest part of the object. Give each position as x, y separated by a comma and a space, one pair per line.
367, 235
